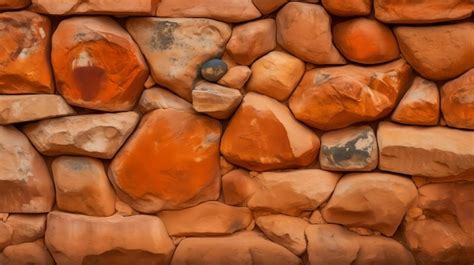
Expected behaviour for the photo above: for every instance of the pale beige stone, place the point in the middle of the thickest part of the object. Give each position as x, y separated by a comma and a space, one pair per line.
103, 7
215, 100
160, 98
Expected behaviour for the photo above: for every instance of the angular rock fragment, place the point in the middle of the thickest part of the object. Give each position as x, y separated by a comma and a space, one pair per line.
13, 4
26, 254
160, 98
215, 100
348, 8
115, 7
457, 101
26, 227
236, 77
238, 187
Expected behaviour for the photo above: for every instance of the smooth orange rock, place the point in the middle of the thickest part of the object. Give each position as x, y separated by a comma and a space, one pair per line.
419, 105
336, 97
365, 41
26, 254
251, 40
304, 30
13, 4
26, 227
107, 7
223, 10
422, 11
263, 135
457, 101
25, 41
170, 162
97, 65
438, 52
236, 77
238, 187
348, 8
268, 6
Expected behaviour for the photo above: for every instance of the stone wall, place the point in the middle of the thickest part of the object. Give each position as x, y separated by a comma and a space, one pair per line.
236, 132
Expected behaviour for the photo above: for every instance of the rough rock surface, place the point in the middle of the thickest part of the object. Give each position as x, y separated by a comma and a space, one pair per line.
97, 65
160, 98
26, 254
26, 227
13, 4
457, 101
23, 108
107, 7
236, 77
170, 162
79, 239
438, 52
25, 38
263, 135
173, 49
335, 97
215, 100
238, 187
376, 201
25, 183
348, 8
411, 150
304, 30
96, 135
349, 149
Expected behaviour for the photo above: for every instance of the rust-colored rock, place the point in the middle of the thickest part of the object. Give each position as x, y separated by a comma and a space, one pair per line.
6, 233
13, 4
366, 41
160, 98
304, 30
457, 101
348, 8
238, 187
26, 254
25, 40
170, 162
107, 7
268, 6
236, 77
438, 52
336, 97
26, 227
97, 65
263, 135
174, 51
215, 100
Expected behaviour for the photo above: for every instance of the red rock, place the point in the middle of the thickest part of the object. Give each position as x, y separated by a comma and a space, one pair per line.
26, 227
160, 98
251, 40
305, 31
236, 77
365, 41
26, 254
215, 100
457, 101
263, 135
438, 52
348, 8
97, 65
238, 187
268, 6
223, 10
170, 162
13, 4
25, 39
115, 7
336, 97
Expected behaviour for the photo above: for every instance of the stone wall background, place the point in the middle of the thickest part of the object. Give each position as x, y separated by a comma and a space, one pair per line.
236, 132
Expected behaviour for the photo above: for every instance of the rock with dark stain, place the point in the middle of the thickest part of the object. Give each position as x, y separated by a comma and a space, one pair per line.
349, 149
213, 70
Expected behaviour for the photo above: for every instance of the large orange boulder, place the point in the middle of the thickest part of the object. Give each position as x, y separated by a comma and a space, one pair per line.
263, 135
25, 41
457, 101
438, 52
348, 8
97, 65
13, 4
336, 97
170, 162
115, 7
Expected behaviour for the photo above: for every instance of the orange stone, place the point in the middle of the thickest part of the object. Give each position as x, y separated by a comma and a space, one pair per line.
24, 53
347, 8
457, 101
13, 4
114, 7
170, 162
97, 65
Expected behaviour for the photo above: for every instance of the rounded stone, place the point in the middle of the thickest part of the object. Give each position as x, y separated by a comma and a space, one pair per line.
213, 70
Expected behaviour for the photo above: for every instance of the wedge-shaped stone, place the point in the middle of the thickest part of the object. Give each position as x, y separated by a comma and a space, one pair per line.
160, 98
457, 101
215, 100
107, 7
79, 239
96, 135
237, 187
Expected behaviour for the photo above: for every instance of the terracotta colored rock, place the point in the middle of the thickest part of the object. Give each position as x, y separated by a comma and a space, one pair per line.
419, 105
160, 98
304, 30
330, 244
215, 100
251, 40
425, 151
26, 254
206, 219
226, 167
348, 8
80, 239
238, 187
377, 201
293, 192
444, 231
245, 248
174, 51
107, 7
316, 218
149, 83
285, 230
366, 41
236, 77
26, 227
268, 6
25, 38
22, 108
6, 233
224, 10
276, 75
263, 135
82, 186
438, 52
424, 11
170, 162
96, 135
349, 149
457, 101
336, 97
26, 186
213, 70
13, 4
97, 65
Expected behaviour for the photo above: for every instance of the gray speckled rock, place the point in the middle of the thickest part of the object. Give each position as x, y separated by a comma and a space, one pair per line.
213, 70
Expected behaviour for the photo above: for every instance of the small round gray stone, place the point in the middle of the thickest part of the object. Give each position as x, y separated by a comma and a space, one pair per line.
213, 70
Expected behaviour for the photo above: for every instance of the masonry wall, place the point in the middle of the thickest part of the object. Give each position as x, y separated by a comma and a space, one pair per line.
236, 132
